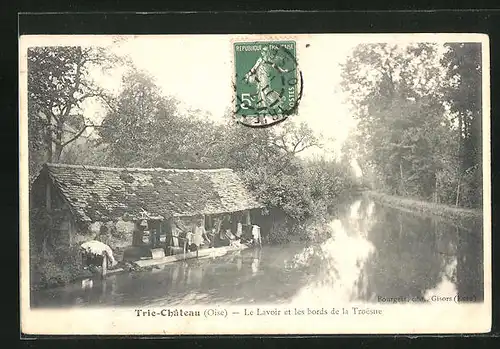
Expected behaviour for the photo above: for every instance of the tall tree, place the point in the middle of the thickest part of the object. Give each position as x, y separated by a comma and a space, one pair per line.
464, 94
142, 122
146, 129
59, 83
396, 94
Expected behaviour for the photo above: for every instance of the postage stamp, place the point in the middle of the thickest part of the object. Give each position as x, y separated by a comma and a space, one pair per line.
268, 82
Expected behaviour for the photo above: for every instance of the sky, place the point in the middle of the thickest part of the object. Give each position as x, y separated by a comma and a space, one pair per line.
198, 71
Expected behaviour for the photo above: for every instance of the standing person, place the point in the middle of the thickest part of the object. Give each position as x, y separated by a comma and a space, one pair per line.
190, 240
175, 236
216, 232
256, 237
226, 234
239, 230
199, 234
180, 232
211, 235
226, 223
152, 238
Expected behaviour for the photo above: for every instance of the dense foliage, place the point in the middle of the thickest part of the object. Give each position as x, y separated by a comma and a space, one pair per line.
60, 86
419, 113
52, 263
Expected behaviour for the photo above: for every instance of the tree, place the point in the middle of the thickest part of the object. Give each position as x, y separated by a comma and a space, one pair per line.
294, 139
146, 129
396, 94
142, 120
59, 83
463, 94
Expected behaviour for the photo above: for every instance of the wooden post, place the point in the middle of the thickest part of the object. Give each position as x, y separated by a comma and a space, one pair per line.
259, 237
104, 288
247, 217
84, 260
159, 233
104, 265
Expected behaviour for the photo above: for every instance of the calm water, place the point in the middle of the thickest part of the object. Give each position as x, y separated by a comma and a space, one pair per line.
371, 252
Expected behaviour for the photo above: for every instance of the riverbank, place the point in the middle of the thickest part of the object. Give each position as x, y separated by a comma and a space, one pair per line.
457, 214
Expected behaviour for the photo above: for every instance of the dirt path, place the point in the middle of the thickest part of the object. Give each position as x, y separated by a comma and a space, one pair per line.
424, 207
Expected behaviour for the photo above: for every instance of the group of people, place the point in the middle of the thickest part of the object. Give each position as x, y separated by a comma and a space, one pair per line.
221, 234
197, 237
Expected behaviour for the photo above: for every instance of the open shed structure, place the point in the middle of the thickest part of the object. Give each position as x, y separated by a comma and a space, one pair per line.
139, 206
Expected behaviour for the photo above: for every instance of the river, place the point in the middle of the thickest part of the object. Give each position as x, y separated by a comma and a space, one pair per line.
371, 253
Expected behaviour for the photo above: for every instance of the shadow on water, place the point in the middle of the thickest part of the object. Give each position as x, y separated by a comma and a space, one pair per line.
369, 251
420, 258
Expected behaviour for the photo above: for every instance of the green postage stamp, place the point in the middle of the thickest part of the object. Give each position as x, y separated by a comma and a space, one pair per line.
268, 83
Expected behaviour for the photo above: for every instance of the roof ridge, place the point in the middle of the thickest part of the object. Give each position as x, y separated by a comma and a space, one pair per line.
137, 169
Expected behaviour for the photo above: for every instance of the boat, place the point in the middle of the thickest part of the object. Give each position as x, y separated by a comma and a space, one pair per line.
204, 253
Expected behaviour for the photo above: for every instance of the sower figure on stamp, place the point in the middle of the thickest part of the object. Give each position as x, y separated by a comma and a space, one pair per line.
261, 75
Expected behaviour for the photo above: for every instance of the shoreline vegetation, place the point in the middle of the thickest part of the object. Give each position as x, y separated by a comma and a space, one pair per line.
414, 205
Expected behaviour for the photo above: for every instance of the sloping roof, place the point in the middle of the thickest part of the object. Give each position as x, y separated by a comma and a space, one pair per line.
104, 193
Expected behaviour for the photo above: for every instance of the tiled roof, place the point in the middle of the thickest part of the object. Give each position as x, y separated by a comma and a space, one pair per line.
104, 193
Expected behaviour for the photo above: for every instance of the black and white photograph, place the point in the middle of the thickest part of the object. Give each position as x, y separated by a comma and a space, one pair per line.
255, 184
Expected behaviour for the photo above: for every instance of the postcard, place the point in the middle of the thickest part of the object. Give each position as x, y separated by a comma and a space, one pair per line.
255, 184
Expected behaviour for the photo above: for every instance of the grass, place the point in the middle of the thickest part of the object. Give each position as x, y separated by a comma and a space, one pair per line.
428, 208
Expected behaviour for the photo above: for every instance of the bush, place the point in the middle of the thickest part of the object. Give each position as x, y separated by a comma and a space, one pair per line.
317, 230
50, 274
286, 191
279, 232
303, 191
58, 267
51, 262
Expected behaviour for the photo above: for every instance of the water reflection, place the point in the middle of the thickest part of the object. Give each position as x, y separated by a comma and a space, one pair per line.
373, 252
368, 251
342, 257
256, 261
417, 257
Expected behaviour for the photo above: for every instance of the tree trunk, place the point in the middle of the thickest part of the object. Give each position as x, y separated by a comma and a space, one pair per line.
48, 139
403, 190
436, 189
461, 158
58, 142
58, 152
44, 246
104, 270
247, 217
